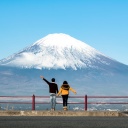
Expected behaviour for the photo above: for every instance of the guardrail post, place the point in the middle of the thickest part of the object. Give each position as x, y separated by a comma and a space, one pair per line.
33, 102
86, 103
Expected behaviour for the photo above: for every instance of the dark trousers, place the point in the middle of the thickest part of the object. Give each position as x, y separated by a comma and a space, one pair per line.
65, 100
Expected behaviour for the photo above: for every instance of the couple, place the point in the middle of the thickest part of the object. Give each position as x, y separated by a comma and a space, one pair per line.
53, 89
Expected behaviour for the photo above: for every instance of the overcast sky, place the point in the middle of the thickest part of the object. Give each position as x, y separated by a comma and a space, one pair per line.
102, 24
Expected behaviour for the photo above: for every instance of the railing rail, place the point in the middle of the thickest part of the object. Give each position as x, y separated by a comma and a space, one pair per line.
86, 101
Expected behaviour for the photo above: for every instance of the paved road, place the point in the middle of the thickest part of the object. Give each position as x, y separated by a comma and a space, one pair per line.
62, 122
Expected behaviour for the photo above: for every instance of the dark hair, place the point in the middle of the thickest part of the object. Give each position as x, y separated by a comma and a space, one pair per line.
53, 79
65, 82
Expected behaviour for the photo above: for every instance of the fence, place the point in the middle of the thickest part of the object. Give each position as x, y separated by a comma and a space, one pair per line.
86, 100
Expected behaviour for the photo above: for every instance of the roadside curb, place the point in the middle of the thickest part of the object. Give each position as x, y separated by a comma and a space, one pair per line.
61, 113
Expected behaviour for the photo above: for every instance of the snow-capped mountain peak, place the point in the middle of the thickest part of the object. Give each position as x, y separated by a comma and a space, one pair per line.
60, 40
55, 51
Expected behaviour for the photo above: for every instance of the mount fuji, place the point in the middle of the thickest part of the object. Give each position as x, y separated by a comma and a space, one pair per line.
61, 56
56, 51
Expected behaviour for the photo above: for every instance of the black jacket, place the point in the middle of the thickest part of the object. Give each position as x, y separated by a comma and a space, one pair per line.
53, 87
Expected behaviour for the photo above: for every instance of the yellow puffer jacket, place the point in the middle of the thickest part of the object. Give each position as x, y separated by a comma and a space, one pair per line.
64, 90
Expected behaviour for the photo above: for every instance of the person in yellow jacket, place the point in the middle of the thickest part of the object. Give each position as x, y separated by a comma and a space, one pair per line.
64, 91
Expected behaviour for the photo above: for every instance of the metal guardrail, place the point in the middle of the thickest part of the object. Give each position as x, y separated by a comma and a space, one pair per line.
86, 98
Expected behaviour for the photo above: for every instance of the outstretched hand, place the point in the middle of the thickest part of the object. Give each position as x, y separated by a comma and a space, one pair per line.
41, 77
75, 93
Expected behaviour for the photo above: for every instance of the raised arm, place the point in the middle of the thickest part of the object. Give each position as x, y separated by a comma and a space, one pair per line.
42, 77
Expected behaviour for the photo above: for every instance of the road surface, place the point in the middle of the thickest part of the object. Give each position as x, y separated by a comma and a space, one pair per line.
62, 122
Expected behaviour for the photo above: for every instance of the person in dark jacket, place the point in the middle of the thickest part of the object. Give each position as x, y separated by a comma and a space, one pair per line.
53, 89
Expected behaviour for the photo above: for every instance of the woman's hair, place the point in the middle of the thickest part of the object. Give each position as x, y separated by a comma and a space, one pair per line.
65, 82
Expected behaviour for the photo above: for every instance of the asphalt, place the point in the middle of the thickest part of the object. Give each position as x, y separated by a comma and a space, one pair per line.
62, 122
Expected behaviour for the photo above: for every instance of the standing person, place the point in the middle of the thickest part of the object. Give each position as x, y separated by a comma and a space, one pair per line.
53, 89
64, 91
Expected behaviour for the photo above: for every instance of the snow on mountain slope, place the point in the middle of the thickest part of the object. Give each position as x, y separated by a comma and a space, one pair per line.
56, 51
